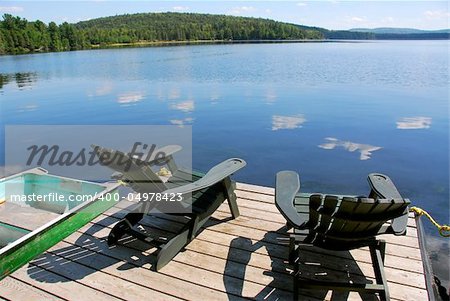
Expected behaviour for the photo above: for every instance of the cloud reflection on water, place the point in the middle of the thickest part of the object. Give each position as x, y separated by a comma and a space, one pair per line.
185, 106
365, 150
182, 122
130, 98
102, 90
414, 123
280, 122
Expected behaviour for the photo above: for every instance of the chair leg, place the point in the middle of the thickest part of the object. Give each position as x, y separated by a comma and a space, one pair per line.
231, 196
123, 226
171, 249
382, 249
292, 254
295, 275
377, 252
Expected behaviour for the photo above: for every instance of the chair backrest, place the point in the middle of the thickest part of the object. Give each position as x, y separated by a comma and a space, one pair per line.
135, 172
351, 217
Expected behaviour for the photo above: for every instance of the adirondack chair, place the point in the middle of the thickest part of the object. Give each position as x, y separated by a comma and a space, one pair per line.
202, 195
341, 223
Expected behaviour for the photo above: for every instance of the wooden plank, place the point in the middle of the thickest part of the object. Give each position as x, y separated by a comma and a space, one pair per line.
278, 265
255, 188
255, 225
93, 239
251, 216
58, 285
209, 261
267, 211
270, 199
229, 259
406, 264
66, 260
205, 285
403, 264
413, 279
13, 289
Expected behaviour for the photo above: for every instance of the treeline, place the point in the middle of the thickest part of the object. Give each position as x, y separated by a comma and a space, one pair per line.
396, 34
356, 35
17, 35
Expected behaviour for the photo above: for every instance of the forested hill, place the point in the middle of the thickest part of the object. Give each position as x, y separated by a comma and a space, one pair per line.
189, 26
18, 35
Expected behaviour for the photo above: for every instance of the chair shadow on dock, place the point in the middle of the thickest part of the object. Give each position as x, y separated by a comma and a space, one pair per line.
87, 251
278, 277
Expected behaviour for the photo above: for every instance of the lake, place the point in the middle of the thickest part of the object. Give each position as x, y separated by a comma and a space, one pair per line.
334, 112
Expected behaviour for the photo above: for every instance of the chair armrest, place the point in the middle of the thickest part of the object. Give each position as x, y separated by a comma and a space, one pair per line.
383, 187
167, 150
400, 223
213, 176
287, 186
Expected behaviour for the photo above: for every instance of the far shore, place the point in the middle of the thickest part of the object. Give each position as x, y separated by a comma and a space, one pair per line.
181, 43
202, 42
196, 42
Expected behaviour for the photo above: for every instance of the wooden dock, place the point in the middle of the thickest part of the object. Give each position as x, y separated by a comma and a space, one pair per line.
231, 259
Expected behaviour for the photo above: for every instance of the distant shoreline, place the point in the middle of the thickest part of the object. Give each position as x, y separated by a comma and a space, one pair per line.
180, 43
186, 43
205, 42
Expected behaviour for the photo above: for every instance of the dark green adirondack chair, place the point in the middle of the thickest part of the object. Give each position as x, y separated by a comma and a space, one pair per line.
201, 196
341, 223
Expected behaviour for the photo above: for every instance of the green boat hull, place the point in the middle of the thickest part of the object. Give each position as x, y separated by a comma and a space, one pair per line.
36, 241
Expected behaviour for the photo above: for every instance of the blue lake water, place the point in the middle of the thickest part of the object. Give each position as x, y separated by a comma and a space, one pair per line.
334, 112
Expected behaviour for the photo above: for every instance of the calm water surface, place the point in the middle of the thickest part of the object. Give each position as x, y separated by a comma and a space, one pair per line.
332, 111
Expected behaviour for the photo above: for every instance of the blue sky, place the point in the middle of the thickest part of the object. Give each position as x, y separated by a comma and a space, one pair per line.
328, 14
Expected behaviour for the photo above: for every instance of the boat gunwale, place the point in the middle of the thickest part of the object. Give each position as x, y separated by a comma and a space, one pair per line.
108, 187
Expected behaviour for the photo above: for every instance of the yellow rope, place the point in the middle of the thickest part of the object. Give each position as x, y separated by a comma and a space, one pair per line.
122, 183
442, 228
2, 201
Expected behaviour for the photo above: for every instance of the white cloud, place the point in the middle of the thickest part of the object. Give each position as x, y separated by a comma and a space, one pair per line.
129, 98
287, 122
185, 106
11, 9
180, 8
357, 19
414, 123
436, 14
301, 4
242, 9
365, 150
268, 11
387, 20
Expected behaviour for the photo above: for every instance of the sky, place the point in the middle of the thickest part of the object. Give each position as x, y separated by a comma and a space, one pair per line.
427, 15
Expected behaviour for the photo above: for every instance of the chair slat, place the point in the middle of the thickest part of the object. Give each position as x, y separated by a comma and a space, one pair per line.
315, 201
328, 208
348, 206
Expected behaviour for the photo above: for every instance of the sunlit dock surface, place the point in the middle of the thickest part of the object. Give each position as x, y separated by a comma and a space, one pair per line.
229, 260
